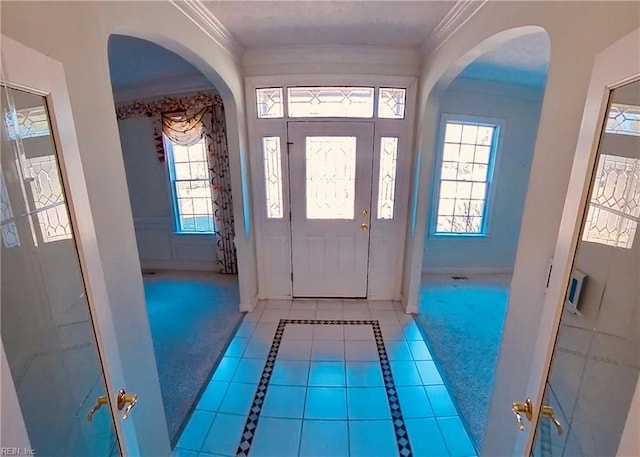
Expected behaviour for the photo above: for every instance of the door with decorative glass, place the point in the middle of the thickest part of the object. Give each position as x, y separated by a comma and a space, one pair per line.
54, 391
584, 382
330, 167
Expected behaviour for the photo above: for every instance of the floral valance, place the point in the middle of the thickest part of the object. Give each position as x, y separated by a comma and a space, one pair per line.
168, 104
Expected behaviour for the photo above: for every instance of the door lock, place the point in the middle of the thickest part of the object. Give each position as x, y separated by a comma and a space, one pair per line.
525, 408
101, 400
547, 411
365, 213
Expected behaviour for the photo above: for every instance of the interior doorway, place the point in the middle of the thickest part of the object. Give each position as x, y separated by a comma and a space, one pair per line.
330, 166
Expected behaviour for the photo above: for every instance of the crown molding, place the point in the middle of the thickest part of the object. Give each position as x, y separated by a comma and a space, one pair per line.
204, 19
458, 16
162, 87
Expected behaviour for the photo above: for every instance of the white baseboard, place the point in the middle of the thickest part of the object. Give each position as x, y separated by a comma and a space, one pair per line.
249, 307
181, 265
467, 270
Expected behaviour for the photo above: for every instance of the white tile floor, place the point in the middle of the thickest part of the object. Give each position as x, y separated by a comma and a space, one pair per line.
326, 395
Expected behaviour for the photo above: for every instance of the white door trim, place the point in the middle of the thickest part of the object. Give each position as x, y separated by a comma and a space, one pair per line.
273, 243
612, 68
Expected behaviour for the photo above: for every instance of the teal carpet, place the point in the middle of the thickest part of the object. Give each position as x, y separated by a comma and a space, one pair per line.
192, 318
463, 321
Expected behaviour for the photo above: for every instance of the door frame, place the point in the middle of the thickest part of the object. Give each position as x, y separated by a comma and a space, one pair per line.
358, 122
18, 62
612, 68
273, 235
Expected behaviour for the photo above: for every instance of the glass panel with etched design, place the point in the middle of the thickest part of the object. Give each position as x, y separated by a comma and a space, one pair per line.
391, 103
330, 177
330, 102
624, 119
272, 176
614, 209
387, 180
270, 104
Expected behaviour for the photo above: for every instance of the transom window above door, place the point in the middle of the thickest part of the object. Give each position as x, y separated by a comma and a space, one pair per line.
331, 102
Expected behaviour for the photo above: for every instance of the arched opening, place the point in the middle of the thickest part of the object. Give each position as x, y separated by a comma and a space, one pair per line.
172, 126
486, 113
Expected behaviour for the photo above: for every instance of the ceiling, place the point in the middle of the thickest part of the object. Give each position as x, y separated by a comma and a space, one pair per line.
141, 65
134, 62
523, 60
326, 23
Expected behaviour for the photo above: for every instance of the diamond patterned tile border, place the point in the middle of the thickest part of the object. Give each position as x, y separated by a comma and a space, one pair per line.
399, 425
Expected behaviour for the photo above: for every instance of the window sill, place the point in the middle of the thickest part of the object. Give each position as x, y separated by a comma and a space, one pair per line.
458, 235
194, 234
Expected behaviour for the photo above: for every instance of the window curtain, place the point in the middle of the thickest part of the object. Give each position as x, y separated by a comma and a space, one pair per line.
185, 121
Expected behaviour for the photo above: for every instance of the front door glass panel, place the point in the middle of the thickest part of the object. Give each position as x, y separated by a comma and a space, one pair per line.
330, 177
46, 328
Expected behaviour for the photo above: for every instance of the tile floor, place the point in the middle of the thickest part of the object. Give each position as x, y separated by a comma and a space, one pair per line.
326, 378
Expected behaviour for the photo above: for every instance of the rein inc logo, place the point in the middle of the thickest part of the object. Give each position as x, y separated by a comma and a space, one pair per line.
17, 451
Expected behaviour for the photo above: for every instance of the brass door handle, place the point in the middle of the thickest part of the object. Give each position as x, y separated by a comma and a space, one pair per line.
364, 226
547, 411
525, 408
101, 400
123, 399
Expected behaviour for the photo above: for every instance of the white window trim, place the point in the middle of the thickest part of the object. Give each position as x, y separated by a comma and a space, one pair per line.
492, 172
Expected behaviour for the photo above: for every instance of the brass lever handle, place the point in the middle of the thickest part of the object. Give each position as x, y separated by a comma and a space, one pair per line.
123, 399
547, 411
101, 400
525, 408
364, 226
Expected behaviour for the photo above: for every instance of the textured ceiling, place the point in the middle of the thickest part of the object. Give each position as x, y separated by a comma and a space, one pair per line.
138, 63
355, 23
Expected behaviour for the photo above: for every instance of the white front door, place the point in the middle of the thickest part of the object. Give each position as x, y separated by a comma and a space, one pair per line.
330, 187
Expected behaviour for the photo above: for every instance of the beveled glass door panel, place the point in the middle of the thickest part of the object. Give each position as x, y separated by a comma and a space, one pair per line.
46, 328
596, 361
330, 178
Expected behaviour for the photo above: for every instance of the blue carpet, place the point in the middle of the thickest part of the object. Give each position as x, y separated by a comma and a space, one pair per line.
192, 317
463, 323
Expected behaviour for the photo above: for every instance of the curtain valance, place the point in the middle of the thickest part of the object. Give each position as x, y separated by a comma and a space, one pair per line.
185, 121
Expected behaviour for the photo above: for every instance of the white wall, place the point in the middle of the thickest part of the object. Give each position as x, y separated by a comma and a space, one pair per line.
76, 34
577, 33
159, 247
519, 108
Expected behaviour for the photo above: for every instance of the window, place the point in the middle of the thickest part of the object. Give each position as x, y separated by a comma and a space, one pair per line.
330, 102
330, 177
269, 102
272, 176
624, 119
387, 178
391, 103
27, 123
464, 177
190, 187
